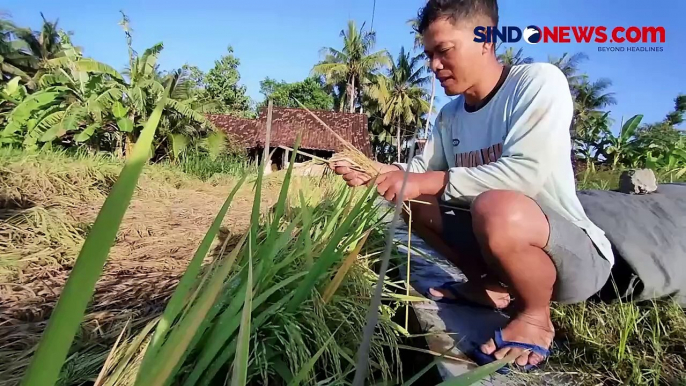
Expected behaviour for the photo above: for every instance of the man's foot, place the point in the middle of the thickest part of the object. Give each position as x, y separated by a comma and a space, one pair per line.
484, 293
529, 328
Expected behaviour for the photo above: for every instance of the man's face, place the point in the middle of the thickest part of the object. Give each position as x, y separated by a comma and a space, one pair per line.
454, 56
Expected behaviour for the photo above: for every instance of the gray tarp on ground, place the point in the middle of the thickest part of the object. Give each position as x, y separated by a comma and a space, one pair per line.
648, 232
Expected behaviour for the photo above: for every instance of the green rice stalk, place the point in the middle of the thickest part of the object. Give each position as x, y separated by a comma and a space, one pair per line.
225, 327
343, 270
179, 338
305, 370
69, 310
240, 364
230, 349
328, 257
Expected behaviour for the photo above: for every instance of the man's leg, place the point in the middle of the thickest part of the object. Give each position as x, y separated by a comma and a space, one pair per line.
513, 231
427, 222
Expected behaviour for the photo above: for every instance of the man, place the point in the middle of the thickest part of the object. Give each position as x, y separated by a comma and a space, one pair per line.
502, 146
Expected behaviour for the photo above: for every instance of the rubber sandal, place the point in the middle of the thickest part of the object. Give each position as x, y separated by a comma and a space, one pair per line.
458, 297
482, 359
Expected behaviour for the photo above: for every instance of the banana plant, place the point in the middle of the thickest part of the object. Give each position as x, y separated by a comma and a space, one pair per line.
620, 146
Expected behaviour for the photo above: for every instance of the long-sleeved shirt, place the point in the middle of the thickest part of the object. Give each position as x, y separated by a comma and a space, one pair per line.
518, 141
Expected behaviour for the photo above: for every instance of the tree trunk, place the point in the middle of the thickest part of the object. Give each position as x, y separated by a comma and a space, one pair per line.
267, 155
119, 145
129, 141
398, 141
352, 94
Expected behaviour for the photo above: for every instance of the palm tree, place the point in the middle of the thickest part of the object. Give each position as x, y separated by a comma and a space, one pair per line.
591, 97
418, 43
400, 94
354, 64
512, 58
414, 24
676, 117
14, 61
569, 65
44, 44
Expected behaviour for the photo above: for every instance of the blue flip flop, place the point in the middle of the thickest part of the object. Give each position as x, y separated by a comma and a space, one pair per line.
458, 297
482, 359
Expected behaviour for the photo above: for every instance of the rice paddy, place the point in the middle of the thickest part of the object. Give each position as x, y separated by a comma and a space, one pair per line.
169, 215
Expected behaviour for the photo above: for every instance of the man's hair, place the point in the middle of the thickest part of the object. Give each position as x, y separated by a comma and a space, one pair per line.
457, 11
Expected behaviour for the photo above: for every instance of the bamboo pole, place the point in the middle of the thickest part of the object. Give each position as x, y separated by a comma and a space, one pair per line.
314, 157
267, 154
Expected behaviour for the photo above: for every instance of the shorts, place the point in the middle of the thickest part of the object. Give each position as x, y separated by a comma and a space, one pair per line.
581, 270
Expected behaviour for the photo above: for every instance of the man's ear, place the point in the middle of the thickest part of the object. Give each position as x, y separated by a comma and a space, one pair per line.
487, 48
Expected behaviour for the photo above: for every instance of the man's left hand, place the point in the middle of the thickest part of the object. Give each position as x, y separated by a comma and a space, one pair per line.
389, 184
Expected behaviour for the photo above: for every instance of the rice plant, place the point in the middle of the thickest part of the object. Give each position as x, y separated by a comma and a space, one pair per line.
256, 312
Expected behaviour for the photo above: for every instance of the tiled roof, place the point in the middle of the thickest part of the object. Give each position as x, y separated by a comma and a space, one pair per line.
288, 122
241, 130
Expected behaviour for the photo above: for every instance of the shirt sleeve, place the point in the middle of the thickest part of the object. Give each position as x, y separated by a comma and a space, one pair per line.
433, 156
539, 132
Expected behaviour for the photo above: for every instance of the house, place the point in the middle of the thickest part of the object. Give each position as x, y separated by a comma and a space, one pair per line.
287, 123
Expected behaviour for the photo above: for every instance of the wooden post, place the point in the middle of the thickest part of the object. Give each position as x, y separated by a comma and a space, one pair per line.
286, 158
267, 154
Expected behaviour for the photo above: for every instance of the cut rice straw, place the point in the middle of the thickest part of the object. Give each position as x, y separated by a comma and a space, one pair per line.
356, 156
409, 255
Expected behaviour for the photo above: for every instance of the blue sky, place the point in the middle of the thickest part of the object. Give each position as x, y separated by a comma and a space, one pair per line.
282, 39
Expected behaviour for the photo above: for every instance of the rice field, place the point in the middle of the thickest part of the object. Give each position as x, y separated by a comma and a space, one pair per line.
50, 200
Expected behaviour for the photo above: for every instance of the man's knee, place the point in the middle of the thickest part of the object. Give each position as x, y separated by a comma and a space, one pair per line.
506, 220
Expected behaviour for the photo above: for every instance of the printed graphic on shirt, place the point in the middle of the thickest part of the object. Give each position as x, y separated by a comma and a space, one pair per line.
479, 157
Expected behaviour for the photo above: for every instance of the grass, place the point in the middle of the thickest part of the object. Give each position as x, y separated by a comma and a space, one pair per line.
204, 167
623, 342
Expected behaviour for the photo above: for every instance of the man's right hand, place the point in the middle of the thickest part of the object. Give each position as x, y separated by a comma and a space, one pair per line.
355, 178
352, 177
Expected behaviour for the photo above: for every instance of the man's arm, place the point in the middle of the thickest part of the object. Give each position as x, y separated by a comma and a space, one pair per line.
539, 131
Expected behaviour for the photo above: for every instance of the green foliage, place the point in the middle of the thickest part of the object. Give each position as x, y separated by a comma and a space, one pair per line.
199, 164
79, 101
511, 58
349, 69
400, 98
623, 342
620, 146
23, 51
311, 92
221, 83
215, 144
